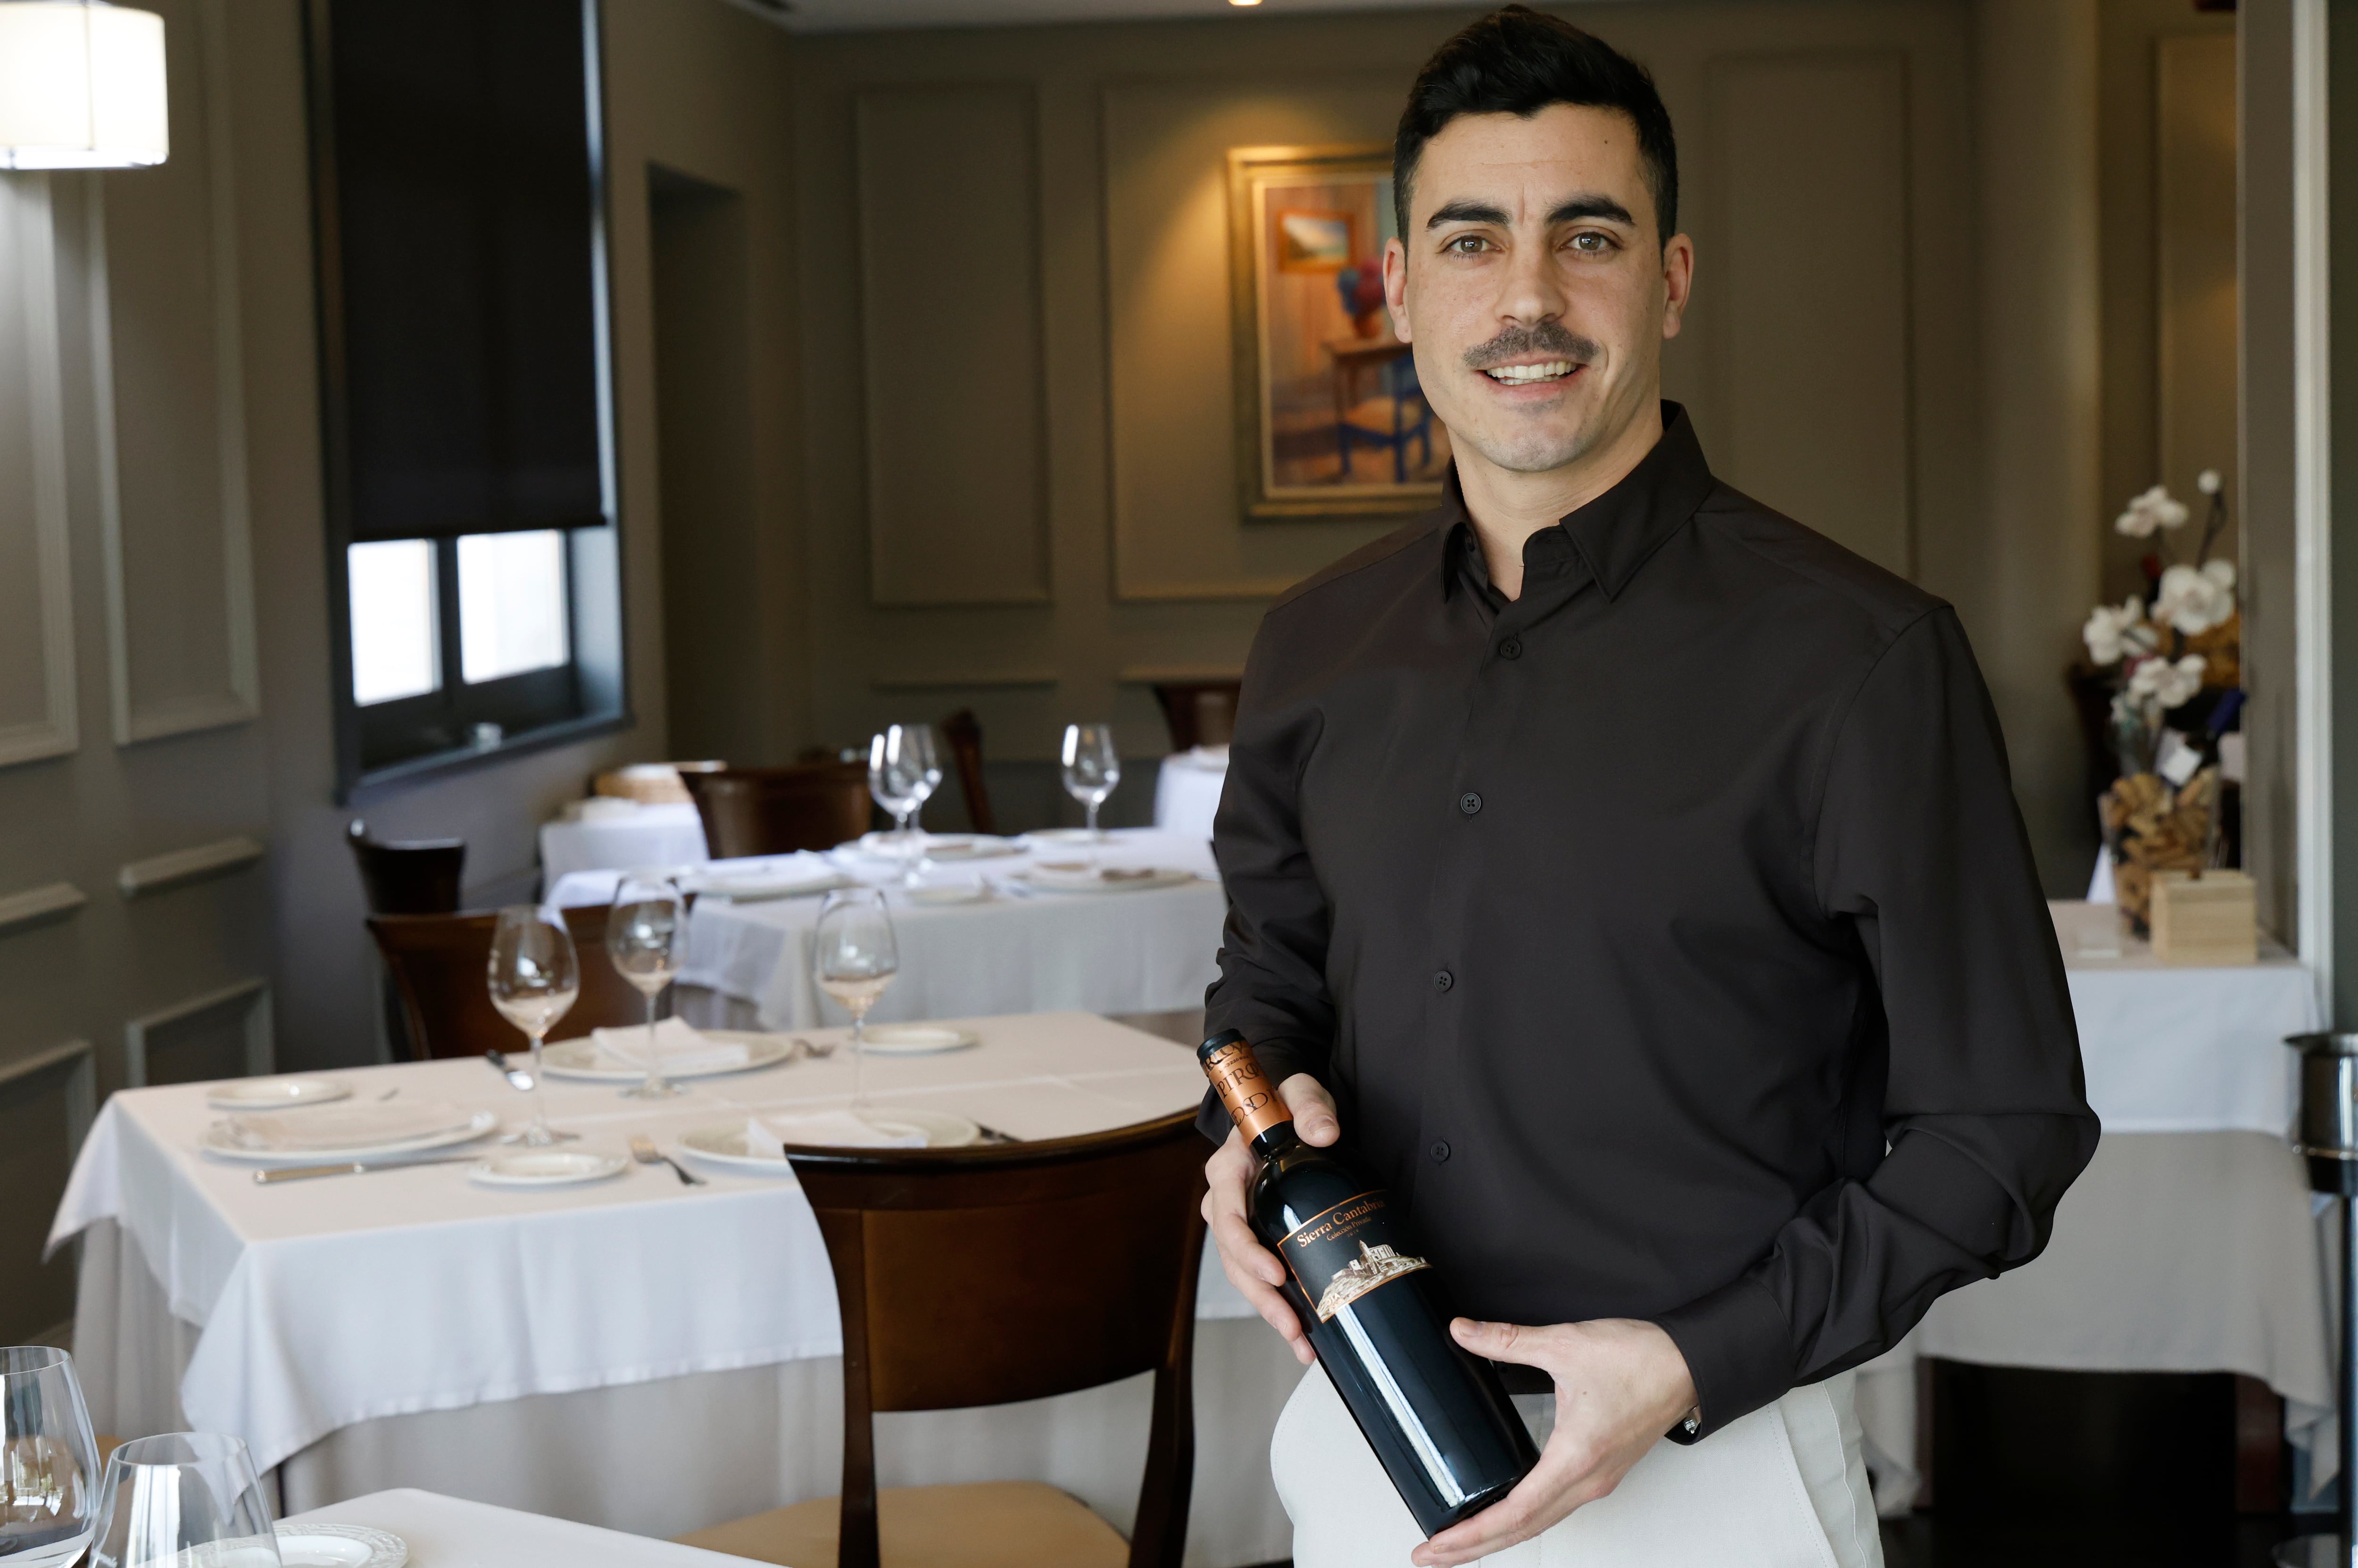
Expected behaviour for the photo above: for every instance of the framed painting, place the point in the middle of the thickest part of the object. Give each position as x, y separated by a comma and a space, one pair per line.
1330, 419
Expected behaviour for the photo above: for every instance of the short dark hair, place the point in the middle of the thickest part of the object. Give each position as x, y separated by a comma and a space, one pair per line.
1517, 61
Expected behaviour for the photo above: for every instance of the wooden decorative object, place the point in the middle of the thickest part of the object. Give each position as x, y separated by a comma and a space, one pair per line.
2204, 917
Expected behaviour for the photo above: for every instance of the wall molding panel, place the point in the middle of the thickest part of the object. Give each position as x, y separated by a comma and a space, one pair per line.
81, 1089
33, 454
953, 378
178, 867
955, 680
180, 658
247, 1003
38, 906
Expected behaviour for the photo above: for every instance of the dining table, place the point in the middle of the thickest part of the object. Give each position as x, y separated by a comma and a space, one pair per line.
991, 925
452, 1532
635, 1352
1187, 790
608, 833
2190, 1243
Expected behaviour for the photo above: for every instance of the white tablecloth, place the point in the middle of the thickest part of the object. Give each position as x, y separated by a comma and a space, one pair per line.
666, 835
322, 1303
450, 1532
1152, 951
2190, 1244
1187, 790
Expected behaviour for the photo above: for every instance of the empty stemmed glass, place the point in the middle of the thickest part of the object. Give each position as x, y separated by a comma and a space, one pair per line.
904, 768
1092, 767
187, 1499
533, 979
48, 1462
642, 933
854, 955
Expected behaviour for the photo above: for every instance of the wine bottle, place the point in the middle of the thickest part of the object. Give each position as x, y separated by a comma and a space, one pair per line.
1435, 1414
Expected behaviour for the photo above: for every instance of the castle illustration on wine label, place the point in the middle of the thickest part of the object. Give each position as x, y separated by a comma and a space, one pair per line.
1374, 1266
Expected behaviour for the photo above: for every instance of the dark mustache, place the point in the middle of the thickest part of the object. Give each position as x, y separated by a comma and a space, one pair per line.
1550, 337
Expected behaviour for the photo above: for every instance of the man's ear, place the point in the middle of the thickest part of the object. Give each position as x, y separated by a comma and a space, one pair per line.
1678, 282
1396, 286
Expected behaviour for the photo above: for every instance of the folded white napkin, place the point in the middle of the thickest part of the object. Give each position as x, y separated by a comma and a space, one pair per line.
827, 1129
1065, 874
678, 1048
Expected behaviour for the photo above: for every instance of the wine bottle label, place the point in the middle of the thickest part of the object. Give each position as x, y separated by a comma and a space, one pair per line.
1342, 1254
1245, 1091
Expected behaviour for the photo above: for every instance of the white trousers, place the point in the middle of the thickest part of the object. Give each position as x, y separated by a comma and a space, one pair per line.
1784, 1488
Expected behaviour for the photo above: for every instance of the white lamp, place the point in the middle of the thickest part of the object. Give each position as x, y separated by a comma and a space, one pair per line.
81, 85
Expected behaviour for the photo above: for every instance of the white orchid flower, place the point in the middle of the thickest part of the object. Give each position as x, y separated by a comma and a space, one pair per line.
2154, 509
2110, 628
2208, 481
2164, 684
2193, 600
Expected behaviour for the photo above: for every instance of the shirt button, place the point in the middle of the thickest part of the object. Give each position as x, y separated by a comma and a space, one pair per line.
1469, 802
1440, 1152
1442, 980
1511, 649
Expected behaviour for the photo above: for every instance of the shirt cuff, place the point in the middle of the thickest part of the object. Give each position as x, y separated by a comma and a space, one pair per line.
1739, 1352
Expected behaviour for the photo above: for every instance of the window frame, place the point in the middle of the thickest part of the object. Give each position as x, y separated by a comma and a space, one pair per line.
587, 696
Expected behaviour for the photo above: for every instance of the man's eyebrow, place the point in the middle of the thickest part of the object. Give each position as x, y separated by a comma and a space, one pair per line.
1465, 210
1575, 208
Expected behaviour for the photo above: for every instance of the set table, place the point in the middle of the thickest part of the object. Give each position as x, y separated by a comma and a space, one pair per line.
609, 833
1187, 790
635, 1352
1152, 949
451, 1532
2190, 1244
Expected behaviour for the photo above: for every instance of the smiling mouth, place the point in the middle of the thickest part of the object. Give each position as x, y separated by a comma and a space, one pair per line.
1529, 376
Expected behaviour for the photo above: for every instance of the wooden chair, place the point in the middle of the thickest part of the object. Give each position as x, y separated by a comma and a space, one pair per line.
768, 811
1199, 712
981, 1276
963, 730
439, 964
417, 876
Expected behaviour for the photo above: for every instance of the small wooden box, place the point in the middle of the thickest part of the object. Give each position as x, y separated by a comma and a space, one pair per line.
2204, 917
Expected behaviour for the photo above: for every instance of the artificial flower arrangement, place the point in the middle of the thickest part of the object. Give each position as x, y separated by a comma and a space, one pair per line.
2164, 647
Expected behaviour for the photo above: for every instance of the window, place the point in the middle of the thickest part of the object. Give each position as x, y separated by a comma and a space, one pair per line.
458, 185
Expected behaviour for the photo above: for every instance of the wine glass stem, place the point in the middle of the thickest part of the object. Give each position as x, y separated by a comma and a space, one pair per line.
1092, 809
539, 1133
858, 1054
653, 1077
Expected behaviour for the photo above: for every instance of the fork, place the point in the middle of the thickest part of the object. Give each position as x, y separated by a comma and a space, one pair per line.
644, 1151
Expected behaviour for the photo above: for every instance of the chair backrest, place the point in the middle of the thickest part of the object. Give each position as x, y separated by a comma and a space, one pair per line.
1013, 1271
1199, 712
439, 964
418, 876
768, 811
963, 730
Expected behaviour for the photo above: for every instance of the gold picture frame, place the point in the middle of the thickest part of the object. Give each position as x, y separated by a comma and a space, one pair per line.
1330, 419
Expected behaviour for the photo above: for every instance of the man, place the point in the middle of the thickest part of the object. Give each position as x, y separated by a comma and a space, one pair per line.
1634, 876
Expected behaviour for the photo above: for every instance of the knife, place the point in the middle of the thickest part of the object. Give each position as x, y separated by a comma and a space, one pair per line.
305, 1173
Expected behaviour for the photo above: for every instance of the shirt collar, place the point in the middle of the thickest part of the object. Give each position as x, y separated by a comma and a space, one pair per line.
1614, 534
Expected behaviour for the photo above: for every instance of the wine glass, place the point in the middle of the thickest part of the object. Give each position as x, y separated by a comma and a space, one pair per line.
533, 979
48, 1461
854, 955
1092, 767
183, 1500
904, 768
642, 933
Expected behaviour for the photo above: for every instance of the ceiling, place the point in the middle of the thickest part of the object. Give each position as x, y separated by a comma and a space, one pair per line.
864, 16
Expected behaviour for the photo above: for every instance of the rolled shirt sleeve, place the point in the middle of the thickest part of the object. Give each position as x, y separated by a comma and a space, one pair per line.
1920, 847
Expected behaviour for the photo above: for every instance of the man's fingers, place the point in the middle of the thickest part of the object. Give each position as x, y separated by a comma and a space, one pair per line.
1498, 1341
1314, 1109
1238, 1246
1548, 1494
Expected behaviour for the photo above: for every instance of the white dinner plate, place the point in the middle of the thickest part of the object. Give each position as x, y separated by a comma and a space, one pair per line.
949, 893
917, 1039
886, 846
726, 1145
546, 1168
1124, 880
220, 1139
1053, 836
339, 1546
754, 888
271, 1094
581, 1059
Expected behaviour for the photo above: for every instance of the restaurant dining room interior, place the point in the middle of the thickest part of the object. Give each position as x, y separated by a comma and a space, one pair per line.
622, 629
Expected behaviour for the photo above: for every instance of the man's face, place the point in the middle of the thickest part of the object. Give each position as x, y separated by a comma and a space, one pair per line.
1533, 286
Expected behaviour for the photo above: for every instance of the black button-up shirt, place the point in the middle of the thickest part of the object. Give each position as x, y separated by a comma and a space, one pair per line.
1668, 936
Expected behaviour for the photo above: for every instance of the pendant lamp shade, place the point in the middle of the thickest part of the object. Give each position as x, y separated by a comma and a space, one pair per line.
81, 85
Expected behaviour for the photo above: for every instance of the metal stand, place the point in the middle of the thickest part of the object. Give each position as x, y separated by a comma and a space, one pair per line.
2329, 1138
